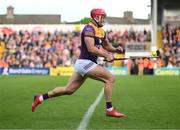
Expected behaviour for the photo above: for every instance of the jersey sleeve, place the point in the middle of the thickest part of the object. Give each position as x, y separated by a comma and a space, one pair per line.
89, 31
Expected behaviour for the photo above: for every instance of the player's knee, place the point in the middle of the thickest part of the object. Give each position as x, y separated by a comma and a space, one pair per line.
69, 92
111, 79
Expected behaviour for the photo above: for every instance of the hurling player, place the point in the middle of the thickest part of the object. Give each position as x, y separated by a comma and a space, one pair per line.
93, 38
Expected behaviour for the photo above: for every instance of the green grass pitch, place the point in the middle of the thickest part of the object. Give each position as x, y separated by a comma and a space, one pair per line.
150, 102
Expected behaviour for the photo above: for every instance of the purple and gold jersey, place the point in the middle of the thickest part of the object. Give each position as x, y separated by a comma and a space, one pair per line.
99, 35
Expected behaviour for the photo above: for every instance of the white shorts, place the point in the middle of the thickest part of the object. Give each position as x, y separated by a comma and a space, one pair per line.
82, 66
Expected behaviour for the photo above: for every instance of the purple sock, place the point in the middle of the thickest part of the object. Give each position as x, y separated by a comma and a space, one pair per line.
45, 96
108, 105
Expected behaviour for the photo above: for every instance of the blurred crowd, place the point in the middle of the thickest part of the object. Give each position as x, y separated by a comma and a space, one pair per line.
129, 36
39, 49
169, 54
170, 51
51, 49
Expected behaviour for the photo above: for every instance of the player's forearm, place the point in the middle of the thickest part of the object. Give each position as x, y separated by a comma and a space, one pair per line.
98, 52
110, 48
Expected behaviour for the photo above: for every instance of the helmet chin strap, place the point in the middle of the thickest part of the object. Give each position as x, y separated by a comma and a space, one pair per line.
97, 22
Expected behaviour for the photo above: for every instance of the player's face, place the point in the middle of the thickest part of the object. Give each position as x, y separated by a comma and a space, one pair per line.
100, 19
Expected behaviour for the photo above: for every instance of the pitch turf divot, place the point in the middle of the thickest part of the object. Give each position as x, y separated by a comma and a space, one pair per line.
88, 114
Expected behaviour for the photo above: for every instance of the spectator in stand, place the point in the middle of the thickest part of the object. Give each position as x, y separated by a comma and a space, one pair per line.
159, 63
146, 65
141, 66
2, 47
134, 70
172, 62
151, 66
3, 63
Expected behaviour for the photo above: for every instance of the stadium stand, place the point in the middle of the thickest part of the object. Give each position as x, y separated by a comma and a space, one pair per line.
39, 48
50, 49
170, 51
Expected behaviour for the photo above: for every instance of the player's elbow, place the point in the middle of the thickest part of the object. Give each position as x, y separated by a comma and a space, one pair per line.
106, 47
91, 50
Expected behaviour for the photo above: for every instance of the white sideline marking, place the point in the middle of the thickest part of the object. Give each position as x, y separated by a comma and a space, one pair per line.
88, 114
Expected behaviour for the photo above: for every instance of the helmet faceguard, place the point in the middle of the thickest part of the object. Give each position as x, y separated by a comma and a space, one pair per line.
98, 15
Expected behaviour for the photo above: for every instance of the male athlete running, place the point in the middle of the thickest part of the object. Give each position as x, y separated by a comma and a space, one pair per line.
93, 37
